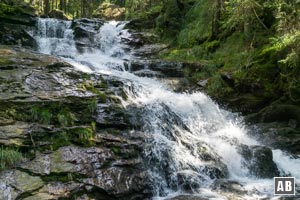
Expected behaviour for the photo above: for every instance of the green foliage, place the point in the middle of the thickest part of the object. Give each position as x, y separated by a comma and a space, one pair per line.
84, 135
6, 9
60, 140
42, 115
93, 126
197, 24
217, 87
66, 118
92, 105
9, 157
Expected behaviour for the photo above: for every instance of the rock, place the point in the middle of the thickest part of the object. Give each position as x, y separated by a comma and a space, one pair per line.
214, 167
14, 134
203, 83
281, 113
111, 115
109, 11
101, 168
229, 186
138, 39
150, 50
166, 68
278, 135
259, 160
189, 181
188, 197
85, 31
16, 19
149, 73
15, 183
58, 14
228, 79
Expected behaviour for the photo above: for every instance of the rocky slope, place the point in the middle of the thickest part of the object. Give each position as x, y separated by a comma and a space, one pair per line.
71, 129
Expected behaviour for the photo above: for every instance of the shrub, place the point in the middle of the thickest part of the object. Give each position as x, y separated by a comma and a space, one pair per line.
9, 157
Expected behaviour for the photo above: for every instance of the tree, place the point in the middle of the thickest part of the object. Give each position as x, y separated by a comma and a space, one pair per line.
46, 7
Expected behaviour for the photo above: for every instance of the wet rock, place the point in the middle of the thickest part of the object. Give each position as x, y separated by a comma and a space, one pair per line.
278, 135
111, 115
98, 167
148, 73
259, 160
188, 197
189, 181
214, 167
167, 68
229, 186
85, 31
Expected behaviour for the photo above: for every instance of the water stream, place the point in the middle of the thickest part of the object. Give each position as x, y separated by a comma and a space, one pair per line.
193, 141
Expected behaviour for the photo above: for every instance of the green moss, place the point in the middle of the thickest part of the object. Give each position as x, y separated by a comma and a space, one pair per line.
116, 150
59, 140
197, 24
42, 115
61, 177
9, 157
217, 87
66, 118
83, 135
92, 105
7, 10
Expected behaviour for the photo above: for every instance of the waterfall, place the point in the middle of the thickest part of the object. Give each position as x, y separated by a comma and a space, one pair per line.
192, 141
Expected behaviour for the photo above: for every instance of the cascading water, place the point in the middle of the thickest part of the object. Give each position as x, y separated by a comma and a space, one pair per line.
193, 142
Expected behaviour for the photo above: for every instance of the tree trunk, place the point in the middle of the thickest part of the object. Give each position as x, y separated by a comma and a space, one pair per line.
46, 7
217, 18
61, 5
65, 6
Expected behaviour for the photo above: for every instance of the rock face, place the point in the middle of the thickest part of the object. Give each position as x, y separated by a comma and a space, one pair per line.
49, 111
259, 160
15, 22
85, 31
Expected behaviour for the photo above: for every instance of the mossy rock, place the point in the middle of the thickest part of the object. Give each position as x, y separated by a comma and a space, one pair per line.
109, 11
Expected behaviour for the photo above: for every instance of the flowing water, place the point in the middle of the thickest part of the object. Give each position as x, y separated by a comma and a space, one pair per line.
193, 141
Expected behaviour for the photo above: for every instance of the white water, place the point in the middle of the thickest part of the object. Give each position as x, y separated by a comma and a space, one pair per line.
180, 124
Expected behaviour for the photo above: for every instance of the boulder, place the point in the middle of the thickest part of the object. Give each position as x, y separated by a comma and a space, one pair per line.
85, 31
229, 186
15, 22
14, 183
109, 11
259, 160
159, 67
58, 14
